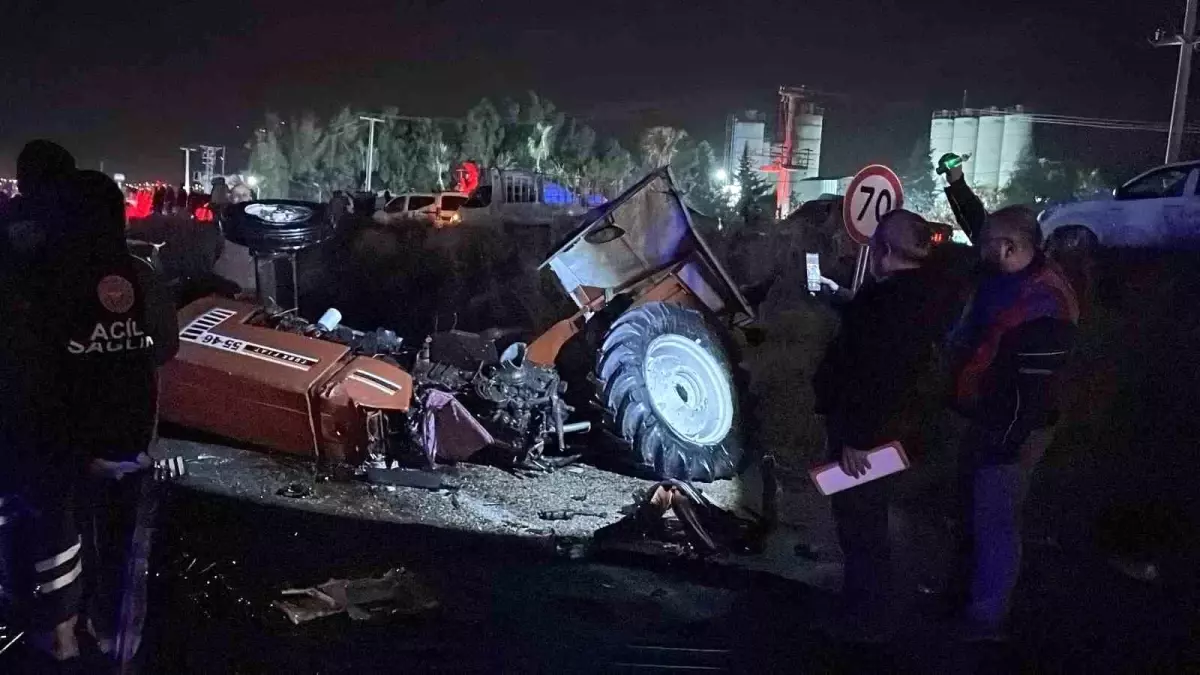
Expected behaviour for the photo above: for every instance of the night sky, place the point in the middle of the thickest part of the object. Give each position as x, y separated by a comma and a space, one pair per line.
130, 85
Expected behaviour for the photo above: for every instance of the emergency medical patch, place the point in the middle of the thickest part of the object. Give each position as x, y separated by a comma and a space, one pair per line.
115, 293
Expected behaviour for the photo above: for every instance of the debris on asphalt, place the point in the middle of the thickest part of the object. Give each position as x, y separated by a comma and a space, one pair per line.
807, 551
579, 498
396, 592
569, 515
8, 637
1139, 570
295, 491
428, 479
699, 525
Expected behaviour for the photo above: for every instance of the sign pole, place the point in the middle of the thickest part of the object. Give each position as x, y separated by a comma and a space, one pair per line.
873, 193
860, 268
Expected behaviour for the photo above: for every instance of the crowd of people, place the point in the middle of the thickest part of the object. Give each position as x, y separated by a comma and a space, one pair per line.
1000, 333
86, 327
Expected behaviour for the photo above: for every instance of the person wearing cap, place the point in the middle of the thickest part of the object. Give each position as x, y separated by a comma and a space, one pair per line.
865, 387
1008, 349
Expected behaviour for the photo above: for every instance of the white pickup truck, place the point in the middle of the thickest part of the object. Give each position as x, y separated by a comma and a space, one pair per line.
1157, 209
514, 197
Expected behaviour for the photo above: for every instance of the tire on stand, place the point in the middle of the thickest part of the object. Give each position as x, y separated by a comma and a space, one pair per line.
672, 394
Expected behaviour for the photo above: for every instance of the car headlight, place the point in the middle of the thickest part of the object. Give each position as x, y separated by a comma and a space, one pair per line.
455, 219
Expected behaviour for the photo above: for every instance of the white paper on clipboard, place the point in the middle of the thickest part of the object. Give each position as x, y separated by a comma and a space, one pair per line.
885, 461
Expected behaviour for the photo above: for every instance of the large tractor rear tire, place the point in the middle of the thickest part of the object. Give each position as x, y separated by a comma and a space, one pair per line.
672, 394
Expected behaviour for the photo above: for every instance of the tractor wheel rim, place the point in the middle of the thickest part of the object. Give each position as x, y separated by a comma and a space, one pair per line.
689, 390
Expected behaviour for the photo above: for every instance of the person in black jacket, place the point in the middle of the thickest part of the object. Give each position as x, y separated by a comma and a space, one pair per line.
40, 563
114, 325
865, 390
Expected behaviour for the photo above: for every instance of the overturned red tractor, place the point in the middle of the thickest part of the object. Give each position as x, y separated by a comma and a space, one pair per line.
645, 373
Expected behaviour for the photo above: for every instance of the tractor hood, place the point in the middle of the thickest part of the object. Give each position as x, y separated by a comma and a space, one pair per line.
645, 232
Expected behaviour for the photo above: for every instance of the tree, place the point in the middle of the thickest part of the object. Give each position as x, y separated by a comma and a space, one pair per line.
1036, 181
659, 145
483, 134
305, 147
613, 169
340, 165
575, 155
268, 162
920, 189
694, 170
754, 201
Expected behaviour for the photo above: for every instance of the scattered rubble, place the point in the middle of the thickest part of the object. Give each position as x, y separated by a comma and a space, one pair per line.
396, 592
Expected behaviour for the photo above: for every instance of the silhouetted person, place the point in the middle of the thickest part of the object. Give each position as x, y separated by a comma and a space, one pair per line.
113, 325
1010, 347
169, 200
158, 201
865, 389
39, 543
181, 198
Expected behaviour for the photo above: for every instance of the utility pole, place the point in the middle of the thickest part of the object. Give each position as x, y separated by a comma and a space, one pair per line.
370, 148
1186, 41
187, 168
222, 160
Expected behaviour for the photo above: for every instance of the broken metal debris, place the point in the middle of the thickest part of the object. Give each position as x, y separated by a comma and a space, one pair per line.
807, 551
699, 525
569, 515
295, 491
427, 479
9, 637
1136, 569
396, 592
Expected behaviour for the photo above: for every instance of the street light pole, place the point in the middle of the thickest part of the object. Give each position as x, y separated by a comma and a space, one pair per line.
1186, 41
370, 148
187, 168
223, 160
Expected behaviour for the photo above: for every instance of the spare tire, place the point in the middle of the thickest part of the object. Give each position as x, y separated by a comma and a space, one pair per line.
672, 394
277, 225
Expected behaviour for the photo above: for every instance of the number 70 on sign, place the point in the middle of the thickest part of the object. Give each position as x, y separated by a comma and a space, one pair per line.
872, 193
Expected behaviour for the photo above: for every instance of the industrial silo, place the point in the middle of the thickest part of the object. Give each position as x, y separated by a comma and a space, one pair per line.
966, 136
810, 119
987, 149
746, 135
1018, 140
941, 134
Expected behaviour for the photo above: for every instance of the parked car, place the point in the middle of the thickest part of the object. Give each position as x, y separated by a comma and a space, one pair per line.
430, 209
1157, 209
407, 208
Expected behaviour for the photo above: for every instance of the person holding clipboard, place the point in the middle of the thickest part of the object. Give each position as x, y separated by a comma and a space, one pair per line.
865, 389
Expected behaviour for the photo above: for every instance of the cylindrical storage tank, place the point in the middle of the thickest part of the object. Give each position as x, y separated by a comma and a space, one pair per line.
966, 135
1018, 140
810, 120
941, 136
987, 151
748, 135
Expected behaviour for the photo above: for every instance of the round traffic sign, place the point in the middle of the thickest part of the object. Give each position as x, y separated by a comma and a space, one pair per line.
873, 192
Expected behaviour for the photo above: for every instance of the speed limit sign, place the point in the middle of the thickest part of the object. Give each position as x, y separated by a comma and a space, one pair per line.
872, 193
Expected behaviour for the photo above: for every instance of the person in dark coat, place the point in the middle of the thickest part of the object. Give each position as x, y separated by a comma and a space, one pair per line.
169, 200
114, 325
864, 388
40, 564
181, 198
159, 200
